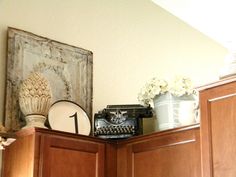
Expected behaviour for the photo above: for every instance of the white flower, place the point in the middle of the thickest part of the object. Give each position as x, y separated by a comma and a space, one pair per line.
178, 87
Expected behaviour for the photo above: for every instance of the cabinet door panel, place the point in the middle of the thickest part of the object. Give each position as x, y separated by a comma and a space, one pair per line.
72, 158
218, 122
172, 155
18, 158
223, 136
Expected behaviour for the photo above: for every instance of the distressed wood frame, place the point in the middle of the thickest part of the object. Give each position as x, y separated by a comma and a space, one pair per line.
69, 70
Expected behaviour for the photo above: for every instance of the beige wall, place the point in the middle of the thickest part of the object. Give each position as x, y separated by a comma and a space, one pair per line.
132, 41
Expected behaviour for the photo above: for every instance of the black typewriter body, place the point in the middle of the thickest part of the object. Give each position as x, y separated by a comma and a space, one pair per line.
120, 121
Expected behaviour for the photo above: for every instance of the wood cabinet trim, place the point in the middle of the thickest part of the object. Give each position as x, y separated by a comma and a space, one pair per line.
79, 145
165, 141
137, 139
43, 131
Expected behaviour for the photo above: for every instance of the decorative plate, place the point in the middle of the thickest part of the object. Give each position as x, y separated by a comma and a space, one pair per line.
68, 116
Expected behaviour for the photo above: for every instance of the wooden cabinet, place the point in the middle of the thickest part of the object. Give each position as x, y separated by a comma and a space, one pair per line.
172, 153
192, 151
45, 153
218, 132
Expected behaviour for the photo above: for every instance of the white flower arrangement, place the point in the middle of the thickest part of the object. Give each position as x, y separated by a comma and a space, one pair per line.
178, 87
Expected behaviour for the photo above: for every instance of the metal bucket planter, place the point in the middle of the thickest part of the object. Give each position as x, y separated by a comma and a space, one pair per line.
172, 111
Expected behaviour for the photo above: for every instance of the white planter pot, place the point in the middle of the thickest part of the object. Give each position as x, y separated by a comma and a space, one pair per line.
172, 111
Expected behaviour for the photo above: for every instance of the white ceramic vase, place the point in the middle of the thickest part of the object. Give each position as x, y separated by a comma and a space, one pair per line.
35, 100
172, 111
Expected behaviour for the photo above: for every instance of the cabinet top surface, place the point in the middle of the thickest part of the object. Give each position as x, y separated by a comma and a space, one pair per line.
30, 131
160, 133
36, 130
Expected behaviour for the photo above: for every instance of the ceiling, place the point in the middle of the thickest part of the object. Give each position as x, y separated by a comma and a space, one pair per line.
214, 18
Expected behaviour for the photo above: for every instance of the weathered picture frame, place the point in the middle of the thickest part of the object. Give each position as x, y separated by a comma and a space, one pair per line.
69, 70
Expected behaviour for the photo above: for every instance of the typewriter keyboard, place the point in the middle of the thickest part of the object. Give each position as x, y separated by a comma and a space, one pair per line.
115, 130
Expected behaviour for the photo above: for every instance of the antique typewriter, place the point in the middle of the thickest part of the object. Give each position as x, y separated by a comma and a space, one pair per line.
120, 121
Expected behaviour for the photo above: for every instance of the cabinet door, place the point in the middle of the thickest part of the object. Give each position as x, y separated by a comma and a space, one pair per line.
171, 155
19, 158
218, 122
64, 157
